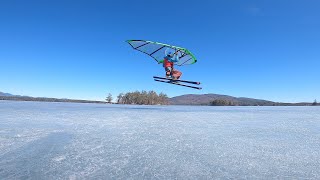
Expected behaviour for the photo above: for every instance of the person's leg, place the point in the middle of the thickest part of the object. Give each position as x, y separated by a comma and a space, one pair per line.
176, 74
168, 72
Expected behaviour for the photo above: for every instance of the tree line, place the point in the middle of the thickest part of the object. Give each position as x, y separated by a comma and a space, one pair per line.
230, 102
141, 98
43, 99
223, 102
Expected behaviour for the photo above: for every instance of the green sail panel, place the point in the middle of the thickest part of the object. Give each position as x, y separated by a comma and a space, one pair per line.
158, 51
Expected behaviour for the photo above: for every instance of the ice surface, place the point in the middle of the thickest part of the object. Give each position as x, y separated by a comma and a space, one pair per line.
41, 140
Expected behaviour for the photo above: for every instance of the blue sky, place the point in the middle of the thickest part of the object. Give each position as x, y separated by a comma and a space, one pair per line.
267, 49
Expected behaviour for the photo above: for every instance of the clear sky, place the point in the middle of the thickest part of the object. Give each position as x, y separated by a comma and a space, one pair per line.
267, 49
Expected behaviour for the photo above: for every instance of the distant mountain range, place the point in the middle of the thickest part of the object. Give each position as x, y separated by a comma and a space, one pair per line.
188, 99
207, 99
224, 100
5, 94
8, 96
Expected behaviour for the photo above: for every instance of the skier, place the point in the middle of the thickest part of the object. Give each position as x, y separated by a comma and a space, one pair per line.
168, 63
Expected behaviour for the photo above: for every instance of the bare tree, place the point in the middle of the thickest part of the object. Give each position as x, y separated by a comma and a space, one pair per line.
120, 98
163, 98
152, 97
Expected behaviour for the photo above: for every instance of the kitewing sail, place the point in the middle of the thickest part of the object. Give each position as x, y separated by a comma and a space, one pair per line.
159, 50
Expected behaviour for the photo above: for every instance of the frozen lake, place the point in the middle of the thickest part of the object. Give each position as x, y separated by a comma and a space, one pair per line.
41, 140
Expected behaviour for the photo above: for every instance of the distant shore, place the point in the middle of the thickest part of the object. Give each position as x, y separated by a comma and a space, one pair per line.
44, 99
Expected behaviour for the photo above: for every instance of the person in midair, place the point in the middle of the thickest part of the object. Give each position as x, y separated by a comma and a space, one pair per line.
168, 64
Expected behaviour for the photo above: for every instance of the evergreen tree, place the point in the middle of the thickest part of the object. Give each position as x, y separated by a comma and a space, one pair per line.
109, 98
314, 103
221, 102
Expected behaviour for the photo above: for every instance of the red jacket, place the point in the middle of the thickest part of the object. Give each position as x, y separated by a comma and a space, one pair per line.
166, 63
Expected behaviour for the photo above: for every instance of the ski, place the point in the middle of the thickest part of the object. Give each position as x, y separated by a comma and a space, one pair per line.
178, 80
170, 82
